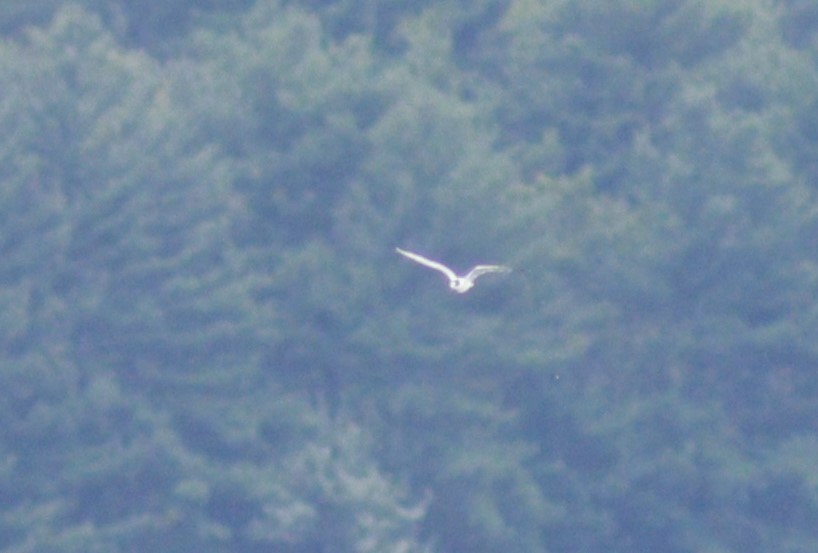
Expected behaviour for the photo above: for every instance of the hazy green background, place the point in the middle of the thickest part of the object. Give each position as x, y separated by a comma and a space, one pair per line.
208, 343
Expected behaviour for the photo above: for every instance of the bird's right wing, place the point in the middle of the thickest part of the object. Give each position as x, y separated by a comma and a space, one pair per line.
483, 269
428, 262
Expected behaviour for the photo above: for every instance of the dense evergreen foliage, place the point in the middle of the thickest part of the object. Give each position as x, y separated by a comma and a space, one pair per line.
207, 342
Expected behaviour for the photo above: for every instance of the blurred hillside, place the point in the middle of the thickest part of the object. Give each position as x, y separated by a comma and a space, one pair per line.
208, 343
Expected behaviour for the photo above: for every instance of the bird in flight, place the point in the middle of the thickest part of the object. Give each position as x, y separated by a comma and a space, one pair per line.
460, 284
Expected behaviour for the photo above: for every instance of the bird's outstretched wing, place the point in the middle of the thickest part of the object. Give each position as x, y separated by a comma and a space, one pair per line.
483, 269
429, 263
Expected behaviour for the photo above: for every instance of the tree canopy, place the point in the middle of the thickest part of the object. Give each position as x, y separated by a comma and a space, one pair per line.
208, 343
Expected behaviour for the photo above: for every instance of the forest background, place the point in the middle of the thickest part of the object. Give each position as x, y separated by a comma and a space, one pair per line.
208, 343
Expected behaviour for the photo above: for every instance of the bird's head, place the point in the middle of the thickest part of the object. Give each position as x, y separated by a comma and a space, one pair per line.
461, 285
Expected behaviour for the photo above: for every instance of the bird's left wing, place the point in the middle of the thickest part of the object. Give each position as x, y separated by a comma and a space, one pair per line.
428, 262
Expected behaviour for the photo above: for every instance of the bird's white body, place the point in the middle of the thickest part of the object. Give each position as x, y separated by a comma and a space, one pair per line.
460, 284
